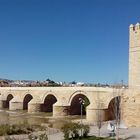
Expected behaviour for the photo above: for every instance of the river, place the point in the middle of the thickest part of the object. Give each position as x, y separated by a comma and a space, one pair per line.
18, 117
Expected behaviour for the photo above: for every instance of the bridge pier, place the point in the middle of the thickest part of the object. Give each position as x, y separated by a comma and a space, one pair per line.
34, 107
2, 104
15, 105
93, 114
59, 110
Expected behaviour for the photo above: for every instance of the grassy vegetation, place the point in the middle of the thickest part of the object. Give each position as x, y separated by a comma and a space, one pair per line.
24, 128
73, 131
94, 138
43, 136
76, 131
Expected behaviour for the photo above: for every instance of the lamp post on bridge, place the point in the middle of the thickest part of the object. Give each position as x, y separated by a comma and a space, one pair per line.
82, 102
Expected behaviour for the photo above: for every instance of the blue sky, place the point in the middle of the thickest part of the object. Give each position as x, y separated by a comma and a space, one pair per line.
66, 40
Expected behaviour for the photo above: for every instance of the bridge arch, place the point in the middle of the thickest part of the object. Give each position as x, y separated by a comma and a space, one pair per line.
48, 102
76, 93
48, 93
8, 99
114, 108
27, 98
75, 105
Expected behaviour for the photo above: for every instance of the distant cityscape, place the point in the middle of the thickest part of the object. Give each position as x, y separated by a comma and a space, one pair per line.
48, 83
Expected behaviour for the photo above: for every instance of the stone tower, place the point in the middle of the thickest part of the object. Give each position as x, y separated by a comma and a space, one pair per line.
130, 106
134, 56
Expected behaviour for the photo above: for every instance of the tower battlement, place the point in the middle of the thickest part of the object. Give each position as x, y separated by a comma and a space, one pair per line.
134, 35
135, 28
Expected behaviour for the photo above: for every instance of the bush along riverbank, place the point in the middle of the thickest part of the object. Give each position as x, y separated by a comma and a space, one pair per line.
25, 128
76, 131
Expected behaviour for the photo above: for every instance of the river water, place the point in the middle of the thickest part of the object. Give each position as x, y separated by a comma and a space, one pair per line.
18, 117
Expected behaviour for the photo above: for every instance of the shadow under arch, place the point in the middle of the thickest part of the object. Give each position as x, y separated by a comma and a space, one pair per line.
75, 105
49, 100
114, 108
8, 99
26, 100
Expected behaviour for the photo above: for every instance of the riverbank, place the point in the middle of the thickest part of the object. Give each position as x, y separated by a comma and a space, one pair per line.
130, 133
55, 124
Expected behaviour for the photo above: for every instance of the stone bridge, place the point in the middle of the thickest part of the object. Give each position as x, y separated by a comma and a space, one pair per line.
61, 101
64, 101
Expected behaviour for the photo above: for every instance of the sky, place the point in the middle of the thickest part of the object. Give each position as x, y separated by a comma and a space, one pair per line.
66, 40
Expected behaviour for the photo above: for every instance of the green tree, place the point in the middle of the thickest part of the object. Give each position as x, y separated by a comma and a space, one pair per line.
86, 103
